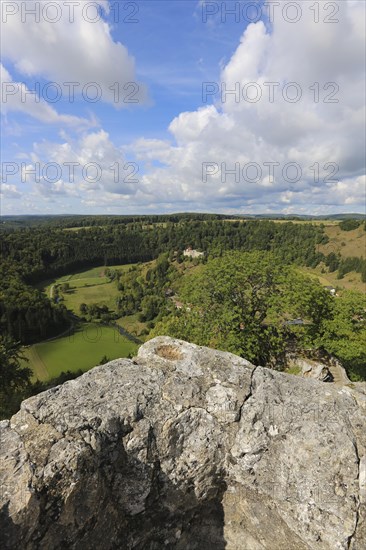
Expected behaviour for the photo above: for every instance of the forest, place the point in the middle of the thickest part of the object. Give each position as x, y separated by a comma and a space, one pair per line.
246, 303
30, 255
240, 296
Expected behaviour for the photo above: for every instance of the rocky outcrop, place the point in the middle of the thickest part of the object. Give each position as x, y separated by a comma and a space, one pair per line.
312, 369
318, 364
186, 448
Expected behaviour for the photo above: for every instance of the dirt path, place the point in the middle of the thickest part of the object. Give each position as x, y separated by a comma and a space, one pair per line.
39, 368
126, 334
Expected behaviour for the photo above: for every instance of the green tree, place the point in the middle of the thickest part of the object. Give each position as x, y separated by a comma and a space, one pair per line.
332, 261
306, 299
349, 225
344, 332
244, 303
150, 307
14, 378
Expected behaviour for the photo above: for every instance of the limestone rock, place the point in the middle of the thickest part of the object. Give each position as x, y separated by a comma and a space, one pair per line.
187, 448
312, 369
319, 365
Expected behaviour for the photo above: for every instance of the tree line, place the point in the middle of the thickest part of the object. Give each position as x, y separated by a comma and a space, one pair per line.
34, 254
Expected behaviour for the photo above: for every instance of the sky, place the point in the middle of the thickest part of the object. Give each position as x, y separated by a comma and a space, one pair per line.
153, 106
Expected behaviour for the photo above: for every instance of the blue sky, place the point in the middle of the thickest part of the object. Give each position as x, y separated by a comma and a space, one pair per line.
174, 53
190, 154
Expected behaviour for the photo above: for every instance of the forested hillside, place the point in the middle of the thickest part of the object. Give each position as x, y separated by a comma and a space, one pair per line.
33, 254
249, 292
43, 251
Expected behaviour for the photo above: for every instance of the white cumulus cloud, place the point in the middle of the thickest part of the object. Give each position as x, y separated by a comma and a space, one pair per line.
273, 154
61, 43
15, 96
322, 132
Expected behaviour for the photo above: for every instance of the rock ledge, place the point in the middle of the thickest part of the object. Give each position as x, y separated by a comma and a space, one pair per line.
187, 448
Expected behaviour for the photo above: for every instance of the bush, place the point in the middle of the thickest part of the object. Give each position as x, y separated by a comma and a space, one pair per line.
332, 261
349, 225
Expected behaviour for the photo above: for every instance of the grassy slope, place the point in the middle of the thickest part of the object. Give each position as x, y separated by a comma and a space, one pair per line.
351, 281
95, 294
48, 359
83, 349
348, 244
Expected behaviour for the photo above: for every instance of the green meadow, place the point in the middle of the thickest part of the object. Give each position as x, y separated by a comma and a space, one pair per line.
82, 349
94, 272
90, 286
99, 294
85, 346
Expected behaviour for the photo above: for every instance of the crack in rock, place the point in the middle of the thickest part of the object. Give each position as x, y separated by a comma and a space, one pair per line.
185, 447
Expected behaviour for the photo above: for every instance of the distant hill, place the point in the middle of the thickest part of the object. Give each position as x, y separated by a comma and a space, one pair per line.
82, 220
305, 217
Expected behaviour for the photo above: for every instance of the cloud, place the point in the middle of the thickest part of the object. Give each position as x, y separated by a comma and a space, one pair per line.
90, 167
237, 154
322, 132
15, 96
64, 46
9, 191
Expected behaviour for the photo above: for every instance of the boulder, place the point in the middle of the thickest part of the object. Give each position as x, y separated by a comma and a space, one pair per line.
313, 369
185, 448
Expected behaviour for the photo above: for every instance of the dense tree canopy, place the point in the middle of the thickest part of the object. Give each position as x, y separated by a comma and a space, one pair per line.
245, 302
42, 252
14, 378
254, 305
344, 332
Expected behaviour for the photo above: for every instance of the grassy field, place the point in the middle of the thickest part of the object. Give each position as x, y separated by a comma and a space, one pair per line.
90, 287
314, 222
351, 281
326, 223
132, 325
78, 228
347, 243
82, 349
100, 294
94, 274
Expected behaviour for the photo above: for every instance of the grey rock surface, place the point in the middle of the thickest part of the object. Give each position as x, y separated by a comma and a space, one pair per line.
186, 448
313, 369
